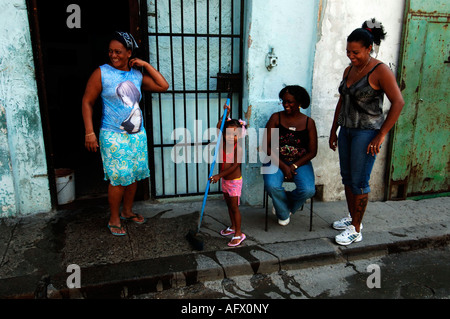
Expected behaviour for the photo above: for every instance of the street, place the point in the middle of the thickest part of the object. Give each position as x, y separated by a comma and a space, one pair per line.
419, 274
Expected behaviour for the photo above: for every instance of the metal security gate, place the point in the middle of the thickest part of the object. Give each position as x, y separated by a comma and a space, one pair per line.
190, 43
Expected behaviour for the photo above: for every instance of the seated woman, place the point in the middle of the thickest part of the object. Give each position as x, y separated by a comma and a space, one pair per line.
297, 145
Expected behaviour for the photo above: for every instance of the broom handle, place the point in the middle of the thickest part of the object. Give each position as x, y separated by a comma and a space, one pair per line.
213, 162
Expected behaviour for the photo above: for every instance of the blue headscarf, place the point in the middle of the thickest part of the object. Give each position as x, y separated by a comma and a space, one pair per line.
126, 39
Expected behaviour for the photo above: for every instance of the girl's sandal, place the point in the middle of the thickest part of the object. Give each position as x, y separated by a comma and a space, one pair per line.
112, 227
227, 232
241, 239
136, 218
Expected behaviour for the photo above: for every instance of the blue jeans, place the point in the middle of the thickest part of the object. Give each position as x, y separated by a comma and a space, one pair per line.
286, 202
356, 164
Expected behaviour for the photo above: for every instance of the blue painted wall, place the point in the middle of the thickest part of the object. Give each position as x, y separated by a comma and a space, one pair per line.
290, 28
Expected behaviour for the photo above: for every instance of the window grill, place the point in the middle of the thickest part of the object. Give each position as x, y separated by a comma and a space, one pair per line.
190, 43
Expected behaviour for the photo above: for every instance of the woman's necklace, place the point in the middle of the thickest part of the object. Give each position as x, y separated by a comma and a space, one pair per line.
370, 58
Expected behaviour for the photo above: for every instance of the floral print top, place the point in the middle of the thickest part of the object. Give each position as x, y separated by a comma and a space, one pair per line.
293, 144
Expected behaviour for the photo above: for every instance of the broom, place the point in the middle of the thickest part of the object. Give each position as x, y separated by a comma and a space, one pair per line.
192, 236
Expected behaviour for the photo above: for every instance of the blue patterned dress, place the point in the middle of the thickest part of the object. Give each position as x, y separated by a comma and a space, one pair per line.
123, 139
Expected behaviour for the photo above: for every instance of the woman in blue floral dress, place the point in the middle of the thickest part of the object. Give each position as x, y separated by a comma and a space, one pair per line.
123, 139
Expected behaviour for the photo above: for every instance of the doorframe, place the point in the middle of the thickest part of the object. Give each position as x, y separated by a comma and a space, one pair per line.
139, 32
42, 96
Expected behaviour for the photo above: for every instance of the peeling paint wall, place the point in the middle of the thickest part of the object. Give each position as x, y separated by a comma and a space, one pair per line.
24, 187
290, 28
7, 194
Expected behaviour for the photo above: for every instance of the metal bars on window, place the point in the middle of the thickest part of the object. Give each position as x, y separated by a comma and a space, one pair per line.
190, 42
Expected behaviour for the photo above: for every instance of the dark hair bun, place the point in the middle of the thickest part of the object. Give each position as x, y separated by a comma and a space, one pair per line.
376, 29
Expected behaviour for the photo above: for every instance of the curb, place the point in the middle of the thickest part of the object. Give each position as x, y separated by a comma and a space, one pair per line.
125, 279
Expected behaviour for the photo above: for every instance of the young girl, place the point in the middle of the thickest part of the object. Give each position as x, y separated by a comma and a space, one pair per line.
230, 172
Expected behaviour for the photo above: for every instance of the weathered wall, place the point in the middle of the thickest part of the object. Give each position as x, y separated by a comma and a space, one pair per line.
309, 38
7, 194
290, 28
24, 187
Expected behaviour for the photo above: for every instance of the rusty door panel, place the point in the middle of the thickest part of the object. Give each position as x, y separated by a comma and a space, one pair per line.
420, 156
430, 156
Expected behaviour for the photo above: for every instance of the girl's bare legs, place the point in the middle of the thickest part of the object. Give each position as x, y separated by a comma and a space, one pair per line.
235, 215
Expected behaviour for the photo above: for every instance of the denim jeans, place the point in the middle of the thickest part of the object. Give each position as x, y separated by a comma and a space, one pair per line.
286, 202
356, 164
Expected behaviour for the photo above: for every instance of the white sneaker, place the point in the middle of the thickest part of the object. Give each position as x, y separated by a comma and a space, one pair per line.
343, 223
282, 222
348, 236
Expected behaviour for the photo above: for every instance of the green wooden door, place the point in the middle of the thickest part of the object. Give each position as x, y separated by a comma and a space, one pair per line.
420, 150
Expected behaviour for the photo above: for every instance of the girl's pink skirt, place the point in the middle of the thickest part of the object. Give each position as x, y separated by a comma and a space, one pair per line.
233, 188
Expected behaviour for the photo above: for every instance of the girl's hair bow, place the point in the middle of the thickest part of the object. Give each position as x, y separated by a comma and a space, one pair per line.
243, 124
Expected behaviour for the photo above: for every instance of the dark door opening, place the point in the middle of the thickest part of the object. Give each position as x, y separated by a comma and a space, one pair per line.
69, 56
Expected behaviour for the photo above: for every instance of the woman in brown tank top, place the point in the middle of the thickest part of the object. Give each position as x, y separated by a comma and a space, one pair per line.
297, 145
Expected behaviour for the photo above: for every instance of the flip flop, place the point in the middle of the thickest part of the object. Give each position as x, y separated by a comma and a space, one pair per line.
116, 233
241, 239
227, 232
132, 218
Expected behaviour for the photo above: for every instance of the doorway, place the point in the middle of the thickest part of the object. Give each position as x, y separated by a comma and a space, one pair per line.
69, 55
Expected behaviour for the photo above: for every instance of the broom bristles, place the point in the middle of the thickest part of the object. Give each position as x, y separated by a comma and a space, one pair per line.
194, 240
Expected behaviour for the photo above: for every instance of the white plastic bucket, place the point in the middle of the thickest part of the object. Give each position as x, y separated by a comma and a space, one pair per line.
65, 185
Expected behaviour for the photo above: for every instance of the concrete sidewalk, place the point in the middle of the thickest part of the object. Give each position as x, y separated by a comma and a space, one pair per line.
36, 251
